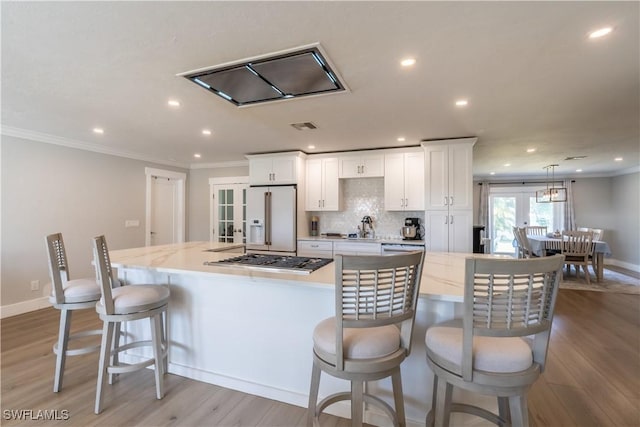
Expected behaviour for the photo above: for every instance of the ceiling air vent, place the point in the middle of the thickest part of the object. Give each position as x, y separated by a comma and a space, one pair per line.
304, 126
294, 73
575, 158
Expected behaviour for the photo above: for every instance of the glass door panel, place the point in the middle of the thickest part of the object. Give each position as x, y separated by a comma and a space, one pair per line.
230, 213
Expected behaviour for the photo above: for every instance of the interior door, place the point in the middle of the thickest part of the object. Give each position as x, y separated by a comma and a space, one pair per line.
229, 213
164, 210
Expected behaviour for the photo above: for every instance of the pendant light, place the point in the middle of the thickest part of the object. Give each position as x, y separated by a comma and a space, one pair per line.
551, 193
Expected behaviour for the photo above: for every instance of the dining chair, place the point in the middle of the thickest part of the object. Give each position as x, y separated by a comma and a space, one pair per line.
577, 247
524, 245
370, 335
68, 295
127, 303
485, 352
536, 230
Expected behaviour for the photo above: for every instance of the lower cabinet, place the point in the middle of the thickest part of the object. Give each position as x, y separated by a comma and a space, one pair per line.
315, 248
449, 231
356, 248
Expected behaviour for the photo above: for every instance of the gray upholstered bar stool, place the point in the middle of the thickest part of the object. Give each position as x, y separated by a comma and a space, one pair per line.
67, 296
485, 352
370, 335
127, 303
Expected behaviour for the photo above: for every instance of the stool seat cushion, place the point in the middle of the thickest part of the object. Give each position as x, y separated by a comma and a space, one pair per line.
136, 298
491, 354
78, 290
359, 343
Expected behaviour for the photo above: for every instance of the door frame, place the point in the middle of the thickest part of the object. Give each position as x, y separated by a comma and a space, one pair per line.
222, 180
181, 179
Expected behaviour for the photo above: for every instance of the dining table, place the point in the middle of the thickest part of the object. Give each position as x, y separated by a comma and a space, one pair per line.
541, 244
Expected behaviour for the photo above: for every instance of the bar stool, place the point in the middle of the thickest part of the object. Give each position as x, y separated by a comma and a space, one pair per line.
126, 303
370, 335
68, 295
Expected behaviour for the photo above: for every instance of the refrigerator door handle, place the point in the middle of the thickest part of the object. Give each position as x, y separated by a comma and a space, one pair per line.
267, 218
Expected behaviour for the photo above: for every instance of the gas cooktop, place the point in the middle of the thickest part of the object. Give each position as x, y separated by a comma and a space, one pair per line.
284, 263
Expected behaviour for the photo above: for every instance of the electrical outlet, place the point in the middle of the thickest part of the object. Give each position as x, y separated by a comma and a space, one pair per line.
35, 285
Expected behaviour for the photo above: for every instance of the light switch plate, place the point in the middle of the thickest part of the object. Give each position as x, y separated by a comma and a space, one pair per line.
132, 223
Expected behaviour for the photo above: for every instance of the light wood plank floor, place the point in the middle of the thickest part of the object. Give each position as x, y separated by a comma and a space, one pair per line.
592, 379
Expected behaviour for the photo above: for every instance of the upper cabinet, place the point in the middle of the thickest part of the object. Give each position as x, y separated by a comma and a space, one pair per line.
404, 181
362, 165
449, 174
323, 189
275, 169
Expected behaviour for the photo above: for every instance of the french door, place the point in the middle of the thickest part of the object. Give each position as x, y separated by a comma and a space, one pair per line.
229, 209
516, 207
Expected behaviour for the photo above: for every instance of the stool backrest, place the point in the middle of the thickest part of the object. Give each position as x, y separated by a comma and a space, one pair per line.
375, 291
509, 298
104, 275
58, 268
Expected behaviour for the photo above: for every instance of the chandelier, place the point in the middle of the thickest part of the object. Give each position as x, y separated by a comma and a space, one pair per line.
551, 193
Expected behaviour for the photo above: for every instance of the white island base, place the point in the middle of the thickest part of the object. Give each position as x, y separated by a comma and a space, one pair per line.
252, 331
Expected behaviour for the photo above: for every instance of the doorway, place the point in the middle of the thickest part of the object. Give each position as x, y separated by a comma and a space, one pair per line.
517, 207
228, 209
165, 207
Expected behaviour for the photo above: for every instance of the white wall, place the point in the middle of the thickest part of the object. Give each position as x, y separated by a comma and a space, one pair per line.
47, 189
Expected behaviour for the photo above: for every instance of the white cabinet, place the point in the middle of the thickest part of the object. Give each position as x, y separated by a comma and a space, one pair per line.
448, 231
315, 248
273, 169
323, 189
449, 195
404, 181
449, 174
362, 165
357, 248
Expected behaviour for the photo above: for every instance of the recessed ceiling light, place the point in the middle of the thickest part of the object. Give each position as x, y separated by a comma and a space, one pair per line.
197, 155
408, 62
462, 103
600, 33
311, 147
618, 159
531, 150
401, 139
492, 173
578, 170
507, 164
98, 130
173, 103
206, 132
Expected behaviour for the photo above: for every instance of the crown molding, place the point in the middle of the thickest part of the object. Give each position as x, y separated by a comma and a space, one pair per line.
219, 165
82, 145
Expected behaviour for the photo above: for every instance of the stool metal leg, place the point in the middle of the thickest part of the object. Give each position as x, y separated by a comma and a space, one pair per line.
60, 349
105, 350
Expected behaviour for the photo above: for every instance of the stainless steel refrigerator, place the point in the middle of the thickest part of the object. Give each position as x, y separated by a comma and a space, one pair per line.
271, 219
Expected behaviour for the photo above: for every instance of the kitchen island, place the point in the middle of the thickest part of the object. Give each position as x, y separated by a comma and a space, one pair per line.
251, 330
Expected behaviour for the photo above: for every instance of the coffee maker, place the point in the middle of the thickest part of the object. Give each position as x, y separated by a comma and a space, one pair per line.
411, 229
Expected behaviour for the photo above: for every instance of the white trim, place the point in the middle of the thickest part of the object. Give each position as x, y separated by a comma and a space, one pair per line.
24, 307
82, 145
627, 265
181, 208
229, 180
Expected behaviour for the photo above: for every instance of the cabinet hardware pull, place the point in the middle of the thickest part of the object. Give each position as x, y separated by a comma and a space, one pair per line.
451, 203
406, 203
319, 203
446, 200
402, 203
451, 220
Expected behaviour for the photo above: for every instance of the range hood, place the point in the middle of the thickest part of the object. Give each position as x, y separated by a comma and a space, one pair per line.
293, 73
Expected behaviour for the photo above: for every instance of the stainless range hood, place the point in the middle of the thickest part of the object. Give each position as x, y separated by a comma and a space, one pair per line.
298, 72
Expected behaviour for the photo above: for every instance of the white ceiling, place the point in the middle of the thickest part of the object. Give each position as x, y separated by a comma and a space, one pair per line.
532, 77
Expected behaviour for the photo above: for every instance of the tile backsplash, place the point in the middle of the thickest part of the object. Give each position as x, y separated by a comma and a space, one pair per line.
361, 197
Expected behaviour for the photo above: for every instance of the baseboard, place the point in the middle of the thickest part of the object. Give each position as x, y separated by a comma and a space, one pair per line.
24, 307
622, 264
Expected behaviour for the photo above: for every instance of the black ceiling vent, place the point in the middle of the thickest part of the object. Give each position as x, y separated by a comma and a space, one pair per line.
288, 74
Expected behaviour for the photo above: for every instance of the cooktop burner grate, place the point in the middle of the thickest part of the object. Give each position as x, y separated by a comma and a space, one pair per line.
283, 262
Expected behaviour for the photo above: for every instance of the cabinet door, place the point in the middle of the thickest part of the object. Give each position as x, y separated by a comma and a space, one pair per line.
284, 170
372, 165
413, 181
260, 170
436, 169
460, 176
394, 197
436, 230
350, 167
313, 183
460, 231
331, 195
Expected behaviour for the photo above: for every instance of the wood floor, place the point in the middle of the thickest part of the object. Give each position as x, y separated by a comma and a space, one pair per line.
592, 377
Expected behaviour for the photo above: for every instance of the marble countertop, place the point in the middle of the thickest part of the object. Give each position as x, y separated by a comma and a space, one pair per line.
398, 241
442, 277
